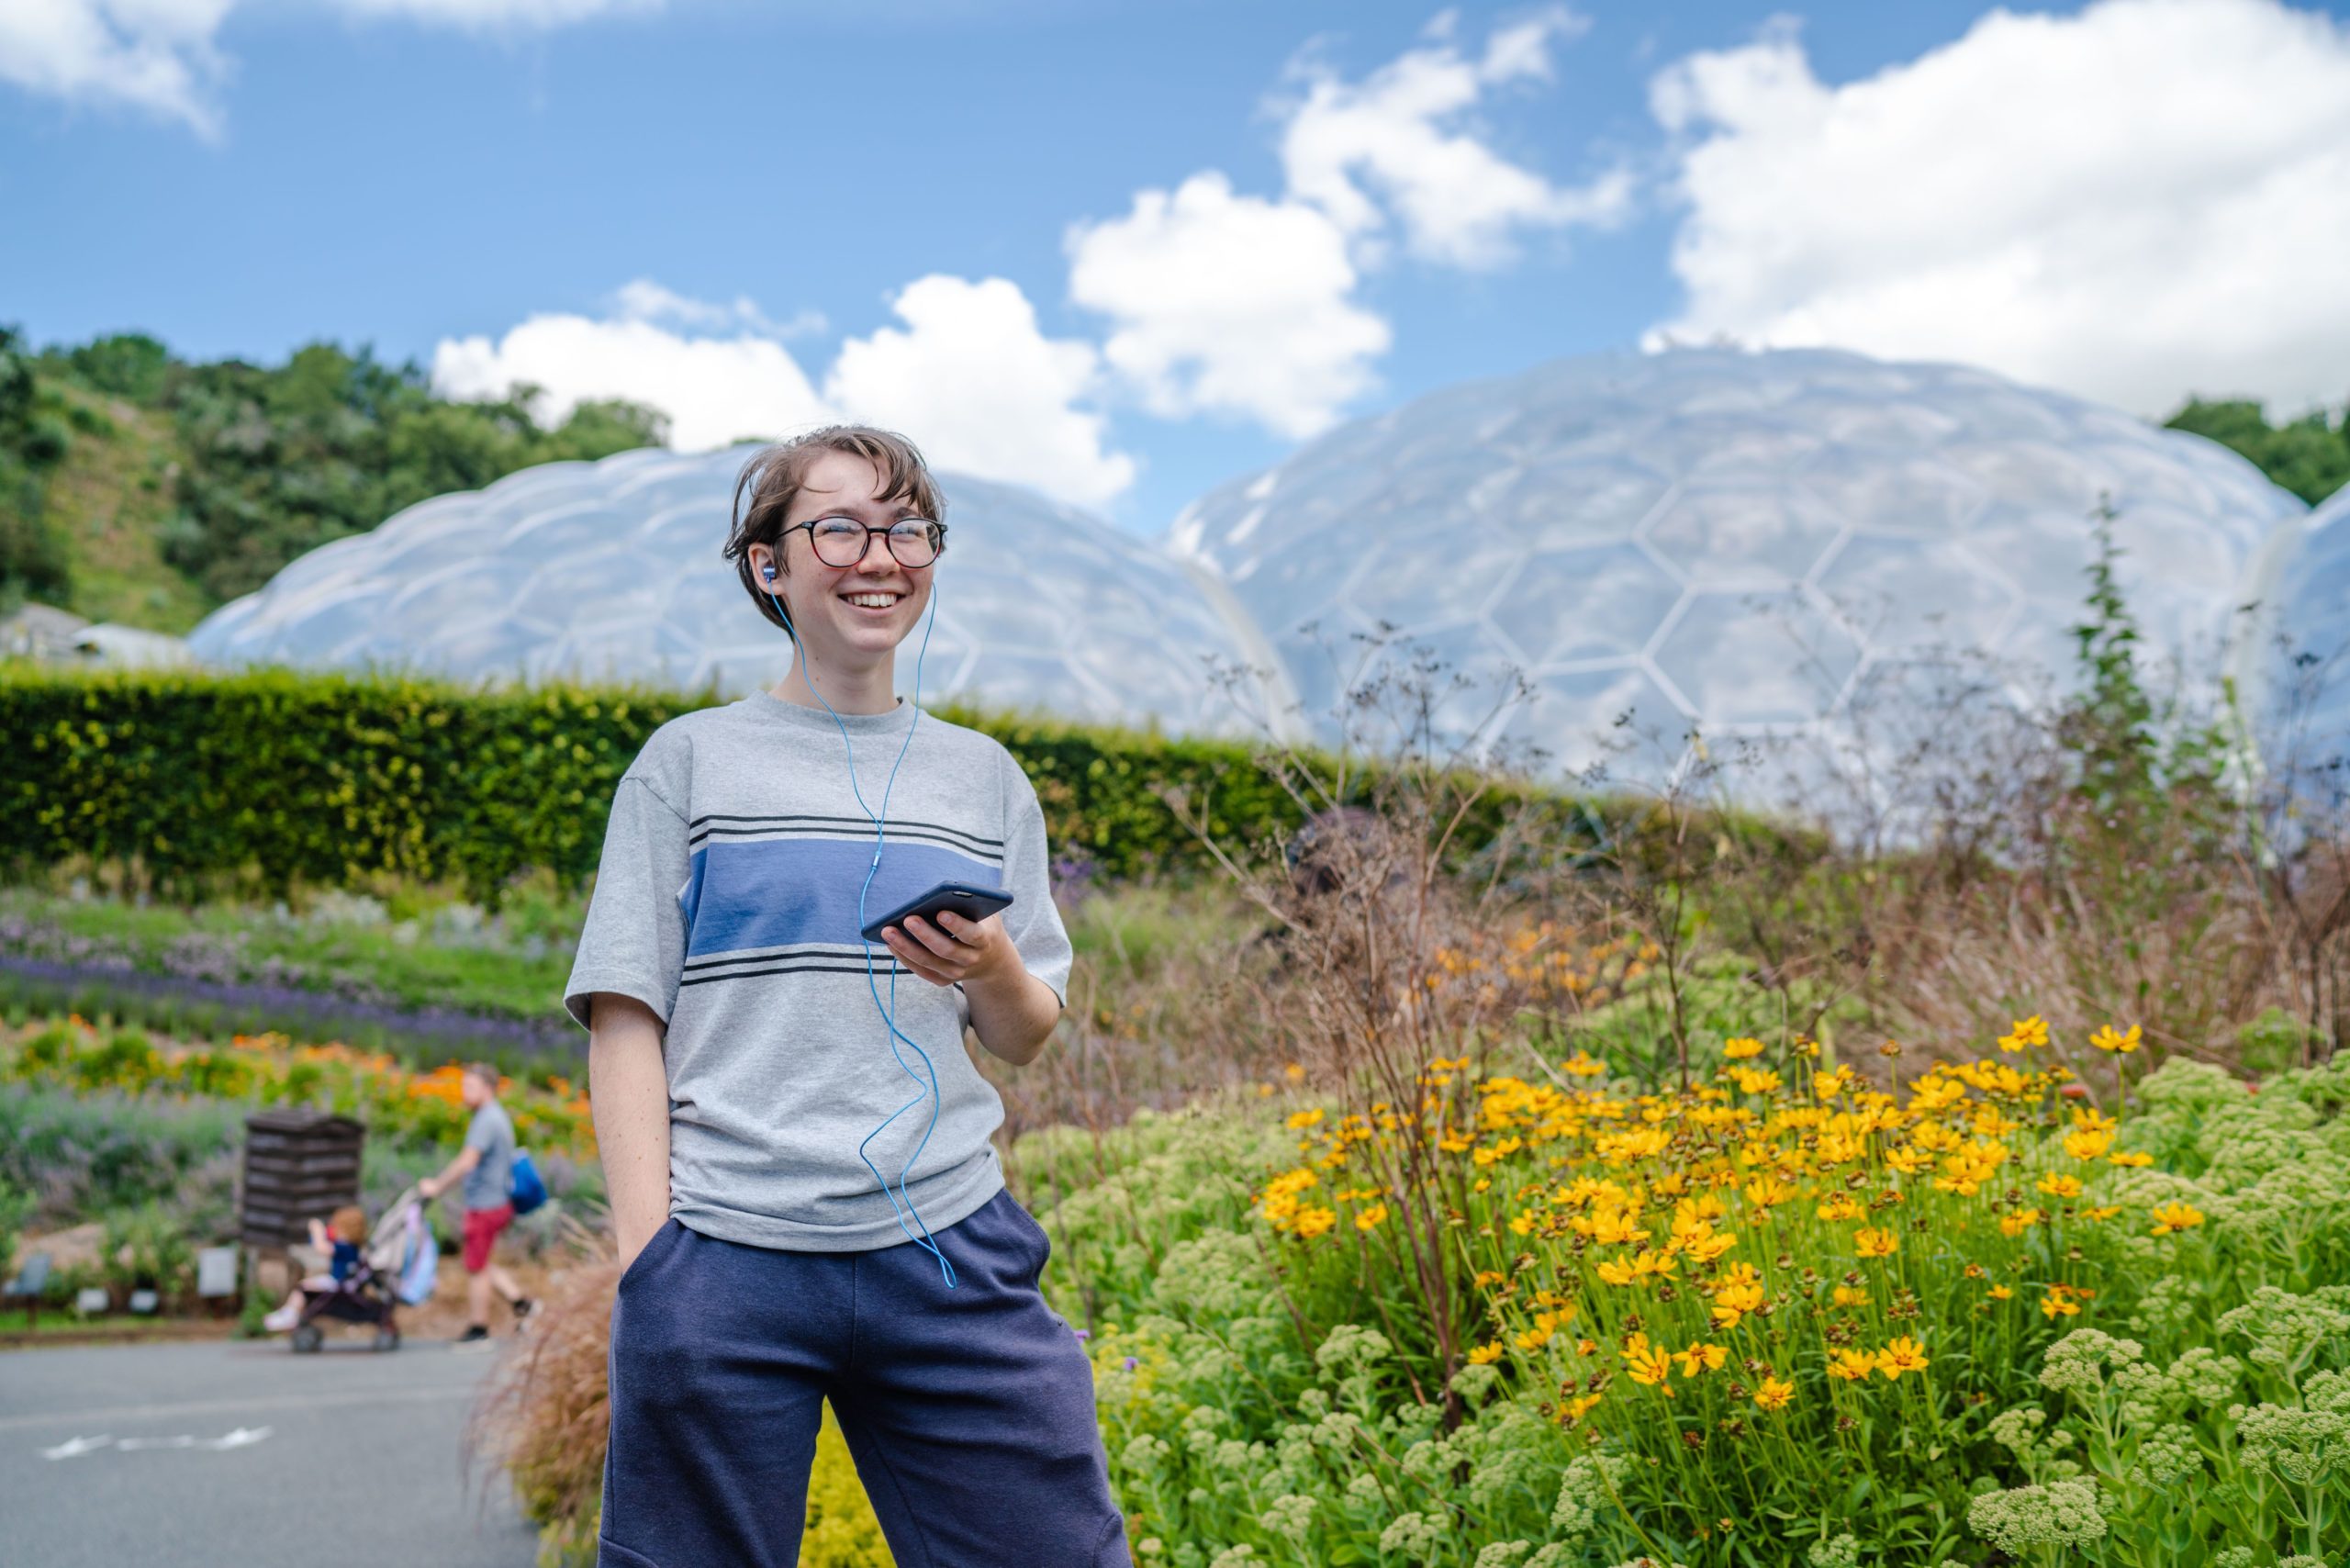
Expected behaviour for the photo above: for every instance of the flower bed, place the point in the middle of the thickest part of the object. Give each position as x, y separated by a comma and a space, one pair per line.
1782, 1317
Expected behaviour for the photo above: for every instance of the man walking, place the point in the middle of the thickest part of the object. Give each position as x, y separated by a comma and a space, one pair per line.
486, 1165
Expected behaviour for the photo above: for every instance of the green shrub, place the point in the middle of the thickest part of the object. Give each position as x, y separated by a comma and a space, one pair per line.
270, 777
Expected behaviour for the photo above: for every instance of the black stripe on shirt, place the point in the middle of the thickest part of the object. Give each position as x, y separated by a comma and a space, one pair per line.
804, 965
859, 824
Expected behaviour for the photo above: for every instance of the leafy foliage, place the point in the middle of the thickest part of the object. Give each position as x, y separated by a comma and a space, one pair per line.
2310, 457
273, 776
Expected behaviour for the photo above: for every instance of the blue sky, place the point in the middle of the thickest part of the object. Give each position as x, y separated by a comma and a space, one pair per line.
778, 181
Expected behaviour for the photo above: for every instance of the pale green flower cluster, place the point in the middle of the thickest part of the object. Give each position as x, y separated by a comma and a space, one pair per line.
2060, 1514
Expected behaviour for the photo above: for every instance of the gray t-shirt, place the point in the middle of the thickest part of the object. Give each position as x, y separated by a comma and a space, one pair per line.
727, 901
492, 1132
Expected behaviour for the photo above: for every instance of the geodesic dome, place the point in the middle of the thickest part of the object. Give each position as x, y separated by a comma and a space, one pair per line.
612, 570
1738, 542
2301, 674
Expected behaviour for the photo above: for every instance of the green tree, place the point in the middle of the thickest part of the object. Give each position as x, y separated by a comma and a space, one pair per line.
2310, 457
32, 438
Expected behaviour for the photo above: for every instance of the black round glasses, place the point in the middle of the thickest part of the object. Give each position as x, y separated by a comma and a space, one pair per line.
844, 541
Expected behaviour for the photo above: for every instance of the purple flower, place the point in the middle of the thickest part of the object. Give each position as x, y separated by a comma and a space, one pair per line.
1130, 1363
1085, 1333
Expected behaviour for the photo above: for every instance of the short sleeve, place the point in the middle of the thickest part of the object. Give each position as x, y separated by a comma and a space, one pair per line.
1034, 921
634, 941
478, 1132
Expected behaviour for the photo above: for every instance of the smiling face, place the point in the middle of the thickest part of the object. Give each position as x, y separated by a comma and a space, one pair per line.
850, 616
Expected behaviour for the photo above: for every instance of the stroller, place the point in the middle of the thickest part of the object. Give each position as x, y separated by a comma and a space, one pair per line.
398, 1266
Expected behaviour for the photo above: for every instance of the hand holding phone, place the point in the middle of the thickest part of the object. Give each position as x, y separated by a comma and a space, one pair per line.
973, 903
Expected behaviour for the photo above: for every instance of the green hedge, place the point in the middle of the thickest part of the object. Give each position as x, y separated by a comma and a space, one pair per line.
274, 777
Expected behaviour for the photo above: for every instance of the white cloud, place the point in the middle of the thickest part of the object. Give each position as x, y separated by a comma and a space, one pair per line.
1225, 302
645, 300
1402, 133
160, 56
714, 390
1228, 303
980, 388
970, 376
155, 55
2143, 201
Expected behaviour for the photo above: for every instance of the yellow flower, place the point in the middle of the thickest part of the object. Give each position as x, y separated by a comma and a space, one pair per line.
1852, 1366
1650, 1368
1848, 1296
2061, 1186
1732, 1302
1534, 1339
2019, 1221
1843, 1205
1294, 1074
2130, 1157
1775, 1393
1371, 1217
1488, 1277
2032, 1031
1312, 1223
1700, 1357
2089, 1143
1582, 1065
2001, 1293
1741, 1048
2054, 1305
1869, 1242
1903, 1355
1300, 1119
1486, 1355
2106, 1039
2173, 1218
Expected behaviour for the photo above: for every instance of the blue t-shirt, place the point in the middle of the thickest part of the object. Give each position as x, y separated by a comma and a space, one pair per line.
346, 1259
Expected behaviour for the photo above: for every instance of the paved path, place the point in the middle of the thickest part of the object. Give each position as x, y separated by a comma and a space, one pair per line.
359, 1465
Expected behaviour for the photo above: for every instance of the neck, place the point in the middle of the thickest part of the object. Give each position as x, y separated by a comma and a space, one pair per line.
867, 690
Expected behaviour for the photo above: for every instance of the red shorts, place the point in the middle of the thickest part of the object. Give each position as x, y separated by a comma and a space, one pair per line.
482, 1227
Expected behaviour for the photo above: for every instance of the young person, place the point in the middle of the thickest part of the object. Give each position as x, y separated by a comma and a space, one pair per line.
340, 1238
751, 1104
485, 1166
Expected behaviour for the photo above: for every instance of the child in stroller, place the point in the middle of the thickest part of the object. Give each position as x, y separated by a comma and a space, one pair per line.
363, 1283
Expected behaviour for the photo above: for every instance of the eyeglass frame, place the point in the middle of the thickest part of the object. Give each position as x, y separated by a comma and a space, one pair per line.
938, 540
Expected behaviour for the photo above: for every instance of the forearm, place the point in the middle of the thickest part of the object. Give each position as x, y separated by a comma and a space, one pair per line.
1013, 1015
628, 1090
454, 1172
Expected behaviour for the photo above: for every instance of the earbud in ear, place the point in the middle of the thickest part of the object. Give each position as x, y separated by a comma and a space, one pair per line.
768, 572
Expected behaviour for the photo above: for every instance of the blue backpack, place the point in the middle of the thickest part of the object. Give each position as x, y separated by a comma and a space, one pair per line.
523, 1188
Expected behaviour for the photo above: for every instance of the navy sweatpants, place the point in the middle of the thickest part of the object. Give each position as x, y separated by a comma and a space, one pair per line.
969, 1411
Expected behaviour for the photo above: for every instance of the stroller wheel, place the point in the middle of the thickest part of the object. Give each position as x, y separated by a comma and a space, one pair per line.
309, 1337
387, 1339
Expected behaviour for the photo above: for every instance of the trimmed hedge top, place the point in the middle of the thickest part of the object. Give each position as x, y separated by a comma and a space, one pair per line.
282, 775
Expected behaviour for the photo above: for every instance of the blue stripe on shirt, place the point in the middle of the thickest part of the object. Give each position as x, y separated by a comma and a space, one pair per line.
777, 893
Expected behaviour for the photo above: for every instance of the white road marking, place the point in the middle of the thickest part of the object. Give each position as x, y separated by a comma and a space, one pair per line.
121, 1412
73, 1448
240, 1437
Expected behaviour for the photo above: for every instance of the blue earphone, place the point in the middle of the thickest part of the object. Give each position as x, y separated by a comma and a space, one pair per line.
900, 1204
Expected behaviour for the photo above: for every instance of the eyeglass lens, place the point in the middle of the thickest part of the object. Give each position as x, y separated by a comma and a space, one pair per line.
842, 541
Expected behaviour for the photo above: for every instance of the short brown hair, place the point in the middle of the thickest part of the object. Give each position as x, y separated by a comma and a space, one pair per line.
350, 1223
772, 478
484, 1071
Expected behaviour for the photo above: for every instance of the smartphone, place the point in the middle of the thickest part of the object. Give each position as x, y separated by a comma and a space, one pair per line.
970, 903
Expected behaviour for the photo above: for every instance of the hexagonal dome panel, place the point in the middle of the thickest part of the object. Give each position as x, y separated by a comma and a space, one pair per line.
612, 569
2300, 670
1820, 510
